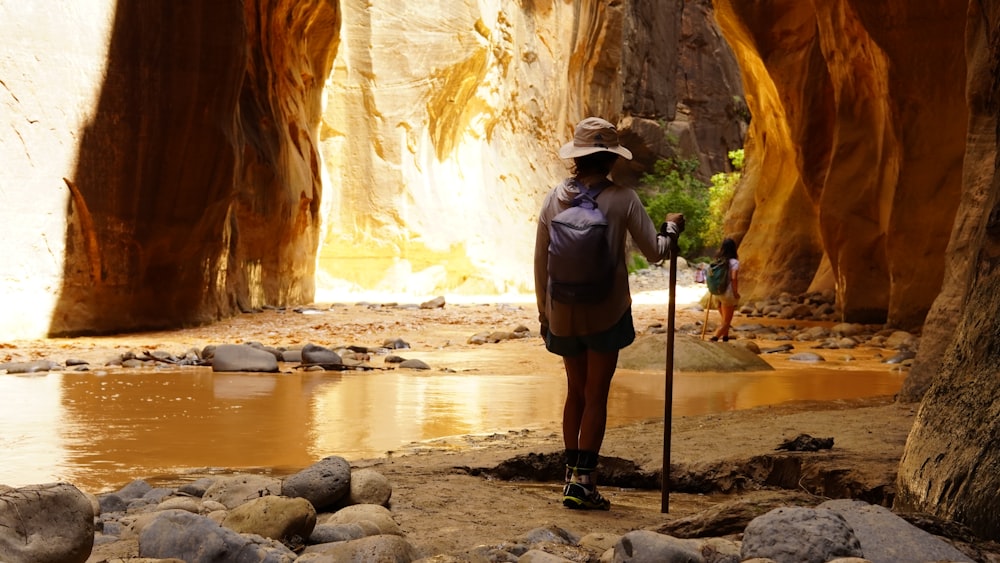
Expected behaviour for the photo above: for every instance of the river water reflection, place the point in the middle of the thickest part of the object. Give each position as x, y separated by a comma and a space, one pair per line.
101, 430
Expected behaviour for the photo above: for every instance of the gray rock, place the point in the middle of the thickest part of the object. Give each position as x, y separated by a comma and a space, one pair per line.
539, 556
643, 546
237, 489
136, 489
240, 357
383, 548
278, 518
323, 483
111, 502
29, 367
292, 356
330, 533
196, 488
800, 535
52, 523
158, 494
887, 538
198, 539
313, 355
414, 364
549, 534
807, 357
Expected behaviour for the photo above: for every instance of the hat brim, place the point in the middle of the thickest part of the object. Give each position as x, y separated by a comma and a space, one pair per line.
569, 150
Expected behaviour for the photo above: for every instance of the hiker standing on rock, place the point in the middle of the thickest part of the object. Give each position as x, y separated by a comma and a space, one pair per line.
581, 286
730, 298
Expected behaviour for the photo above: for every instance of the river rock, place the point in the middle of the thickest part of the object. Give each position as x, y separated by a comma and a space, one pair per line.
198, 539
29, 367
369, 487
414, 364
52, 523
887, 538
234, 490
329, 533
800, 535
279, 518
322, 483
313, 355
644, 546
372, 514
389, 548
241, 357
807, 357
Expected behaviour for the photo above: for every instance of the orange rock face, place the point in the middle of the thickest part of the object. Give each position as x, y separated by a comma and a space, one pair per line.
196, 190
854, 151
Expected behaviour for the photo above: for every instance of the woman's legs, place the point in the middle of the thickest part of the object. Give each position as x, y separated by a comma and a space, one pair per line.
727, 312
585, 415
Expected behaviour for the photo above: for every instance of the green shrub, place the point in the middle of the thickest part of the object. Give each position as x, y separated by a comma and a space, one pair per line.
673, 188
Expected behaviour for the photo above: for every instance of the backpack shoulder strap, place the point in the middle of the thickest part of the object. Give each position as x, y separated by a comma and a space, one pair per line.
594, 190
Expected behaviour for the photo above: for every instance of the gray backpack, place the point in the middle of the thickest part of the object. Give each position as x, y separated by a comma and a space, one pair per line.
581, 263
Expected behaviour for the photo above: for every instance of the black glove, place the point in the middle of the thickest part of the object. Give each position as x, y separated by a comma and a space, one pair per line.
673, 226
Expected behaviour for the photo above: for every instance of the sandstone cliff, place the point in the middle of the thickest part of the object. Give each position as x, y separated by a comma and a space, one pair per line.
171, 167
949, 466
855, 150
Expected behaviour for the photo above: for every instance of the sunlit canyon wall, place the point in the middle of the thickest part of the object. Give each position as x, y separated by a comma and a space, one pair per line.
170, 166
442, 123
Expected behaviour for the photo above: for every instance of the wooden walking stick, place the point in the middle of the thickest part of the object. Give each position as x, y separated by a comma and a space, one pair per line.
668, 401
704, 325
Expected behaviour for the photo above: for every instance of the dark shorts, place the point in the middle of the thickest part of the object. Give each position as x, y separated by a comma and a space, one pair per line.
615, 338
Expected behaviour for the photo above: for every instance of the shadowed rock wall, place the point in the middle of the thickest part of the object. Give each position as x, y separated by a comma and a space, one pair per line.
854, 150
951, 463
195, 190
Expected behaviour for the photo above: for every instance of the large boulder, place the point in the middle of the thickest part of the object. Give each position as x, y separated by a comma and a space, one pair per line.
323, 483
691, 354
800, 535
51, 523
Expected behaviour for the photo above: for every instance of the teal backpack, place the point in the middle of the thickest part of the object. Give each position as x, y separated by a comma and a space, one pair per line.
717, 276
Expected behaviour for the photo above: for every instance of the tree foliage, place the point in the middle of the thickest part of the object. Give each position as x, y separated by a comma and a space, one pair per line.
672, 187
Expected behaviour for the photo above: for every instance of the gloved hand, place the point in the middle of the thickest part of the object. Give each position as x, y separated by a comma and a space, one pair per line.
678, 220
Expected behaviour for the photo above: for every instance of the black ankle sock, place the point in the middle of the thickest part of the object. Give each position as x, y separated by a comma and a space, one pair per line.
585, 466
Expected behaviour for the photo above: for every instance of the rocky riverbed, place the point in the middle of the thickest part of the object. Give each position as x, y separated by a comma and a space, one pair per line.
733, 494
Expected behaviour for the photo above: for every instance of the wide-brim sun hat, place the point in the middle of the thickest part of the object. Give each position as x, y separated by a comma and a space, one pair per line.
594, 135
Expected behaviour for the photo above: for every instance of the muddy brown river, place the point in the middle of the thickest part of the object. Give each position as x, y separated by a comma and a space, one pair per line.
100, 429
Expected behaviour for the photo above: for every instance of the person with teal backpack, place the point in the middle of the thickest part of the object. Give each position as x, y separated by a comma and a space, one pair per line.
722, 278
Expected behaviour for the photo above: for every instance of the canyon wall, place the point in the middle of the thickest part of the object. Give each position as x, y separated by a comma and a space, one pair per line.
949, 466
854, 153
162, 165
442, 124
168, 167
